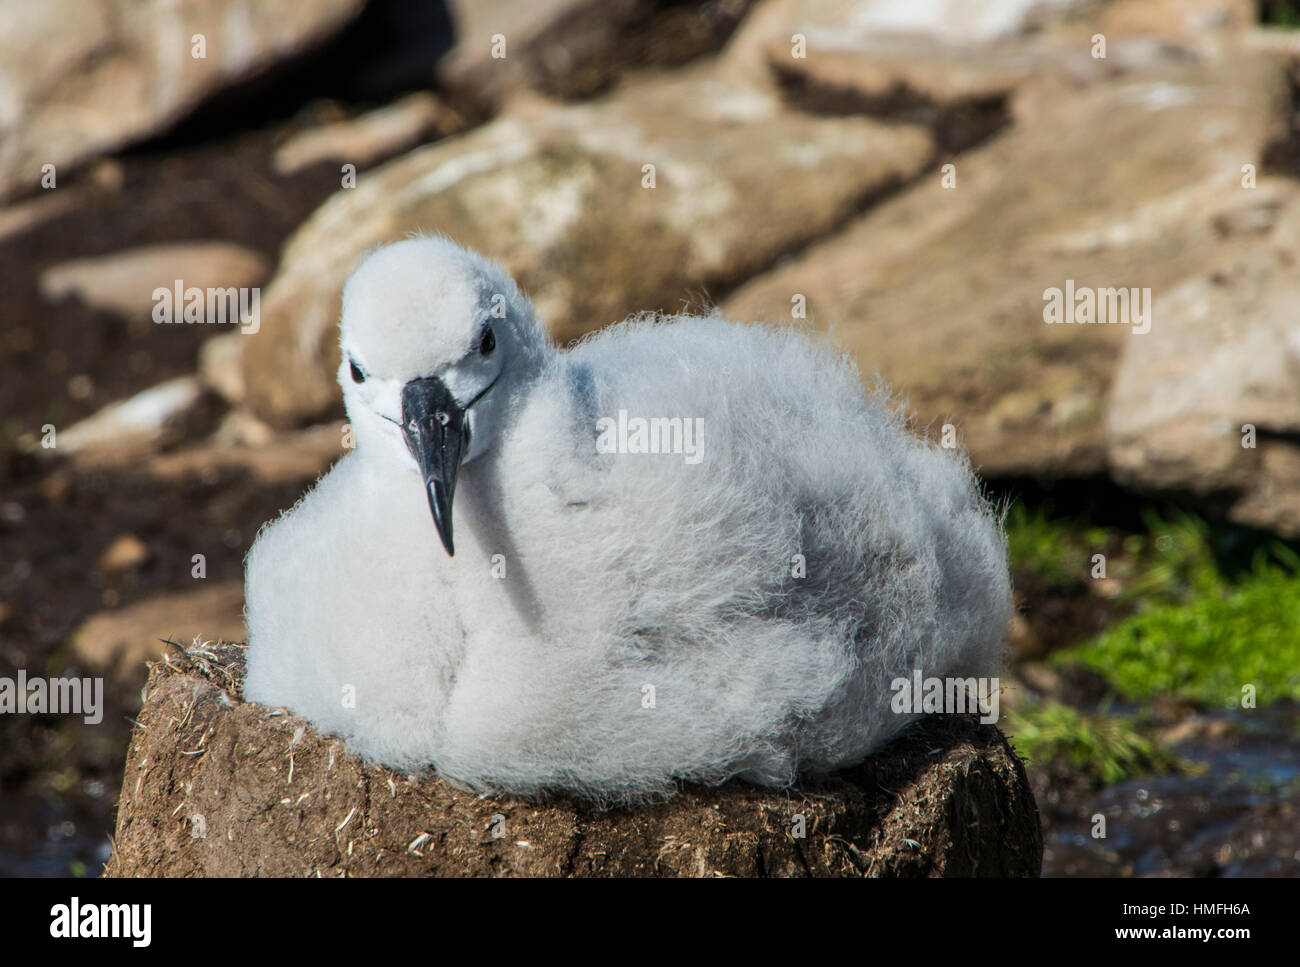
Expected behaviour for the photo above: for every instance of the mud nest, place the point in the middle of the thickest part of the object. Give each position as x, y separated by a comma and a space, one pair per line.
216, 786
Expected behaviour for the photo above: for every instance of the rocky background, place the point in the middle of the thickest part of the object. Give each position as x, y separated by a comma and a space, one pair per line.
912, 177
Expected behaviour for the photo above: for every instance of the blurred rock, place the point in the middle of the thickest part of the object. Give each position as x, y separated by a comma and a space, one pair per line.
895, 73
541, 36
240, 428
965, 89
245, 445
120, 640
270, 796
1023, 641
108, 175
1223, 353
1070, 684
956, 22
557, 196
893, 30
1272, 502
106, 178
221, 365
942, 290
81, 77
56, 487
1270, 40
1183, 20
1192, 727
890, 55
129, 427
126, 553
571, 48
25, 215
371, 137
123, 282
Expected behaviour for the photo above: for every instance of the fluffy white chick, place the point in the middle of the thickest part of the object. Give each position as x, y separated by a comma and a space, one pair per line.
612, 622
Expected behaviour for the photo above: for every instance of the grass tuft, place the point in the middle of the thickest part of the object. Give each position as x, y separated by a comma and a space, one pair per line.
1102, 748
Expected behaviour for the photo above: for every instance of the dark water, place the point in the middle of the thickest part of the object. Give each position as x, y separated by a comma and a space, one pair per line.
1240, 816
55, 842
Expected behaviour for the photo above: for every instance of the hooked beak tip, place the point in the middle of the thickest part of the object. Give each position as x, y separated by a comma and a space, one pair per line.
440, 504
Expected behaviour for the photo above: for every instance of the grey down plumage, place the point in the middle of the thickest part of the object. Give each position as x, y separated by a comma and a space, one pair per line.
613, 622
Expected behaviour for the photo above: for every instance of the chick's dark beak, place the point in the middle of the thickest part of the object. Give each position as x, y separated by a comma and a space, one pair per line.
437, 436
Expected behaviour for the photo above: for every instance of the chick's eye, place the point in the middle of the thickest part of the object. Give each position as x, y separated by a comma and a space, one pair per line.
357, 375
488, 342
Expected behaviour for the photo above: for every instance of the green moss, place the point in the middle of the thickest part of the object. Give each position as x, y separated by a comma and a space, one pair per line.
1219, 611
1219, 608
1210, 647
1104, 749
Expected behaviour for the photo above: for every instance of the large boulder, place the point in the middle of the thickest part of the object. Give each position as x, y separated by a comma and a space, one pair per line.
215, 786
564, 198
955, 22
1133, 180
946, 50
80, 77
1208, 402
957, 63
